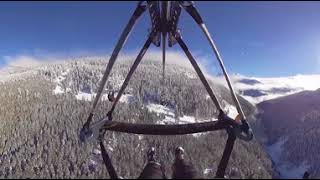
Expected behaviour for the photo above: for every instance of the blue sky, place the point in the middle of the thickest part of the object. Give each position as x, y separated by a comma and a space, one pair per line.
255, 38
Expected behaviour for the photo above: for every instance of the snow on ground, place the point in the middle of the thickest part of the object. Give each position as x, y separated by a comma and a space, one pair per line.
167, 120
58, 80
169, 117
160, 109
93, 162
58, 90
65, 73
231, 110
68, 89
190, 75
125, 98
84, 96
110, 148
275, 150
116, 81
187, 119
292, 172
207, 171
286, 169
96, 151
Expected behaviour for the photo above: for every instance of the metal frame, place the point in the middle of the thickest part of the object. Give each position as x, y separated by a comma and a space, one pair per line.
164, 18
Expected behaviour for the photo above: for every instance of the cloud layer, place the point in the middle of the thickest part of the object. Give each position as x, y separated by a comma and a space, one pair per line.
172, 58
21, 61
27, 61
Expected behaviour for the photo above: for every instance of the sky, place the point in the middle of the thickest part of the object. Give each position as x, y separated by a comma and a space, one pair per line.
264, 39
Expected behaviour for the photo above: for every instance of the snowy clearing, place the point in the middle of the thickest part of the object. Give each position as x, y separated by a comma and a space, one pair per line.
126, 98
169, 117
58, 90
160, 109
286, 169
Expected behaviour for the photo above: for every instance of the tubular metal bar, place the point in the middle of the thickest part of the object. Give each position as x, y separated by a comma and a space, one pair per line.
163, 56
164, 30
132, 69
124, 36
154, 11
198, 70
107, 161
226, 154
158, 129
196, 16
233, 95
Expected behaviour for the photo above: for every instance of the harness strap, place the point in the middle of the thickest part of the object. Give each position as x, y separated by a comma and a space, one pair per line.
163, 170
107, 161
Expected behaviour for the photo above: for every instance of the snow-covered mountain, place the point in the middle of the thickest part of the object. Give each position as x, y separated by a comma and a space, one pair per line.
291, 125
43, 109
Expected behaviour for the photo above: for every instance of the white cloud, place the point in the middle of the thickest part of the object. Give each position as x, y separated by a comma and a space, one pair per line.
28, 61
179, 58
41, 57
22, 61
268, 86
172, 58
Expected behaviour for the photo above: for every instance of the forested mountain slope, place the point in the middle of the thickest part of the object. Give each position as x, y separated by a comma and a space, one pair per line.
41, 113
292, 127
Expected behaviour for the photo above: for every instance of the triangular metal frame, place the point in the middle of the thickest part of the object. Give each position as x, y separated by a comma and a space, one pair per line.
164, 18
